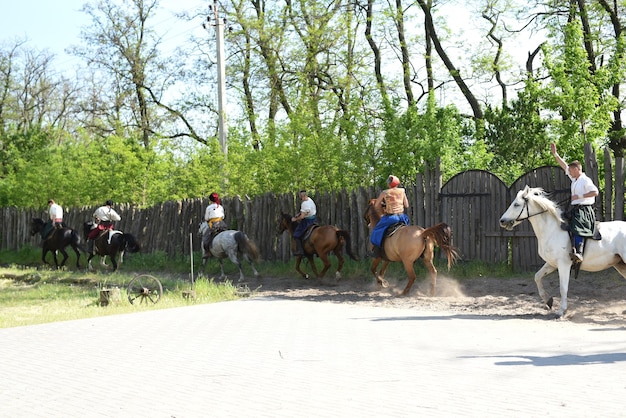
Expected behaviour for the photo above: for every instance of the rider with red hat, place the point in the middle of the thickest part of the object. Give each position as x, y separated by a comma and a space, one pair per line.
395, 203
214, 216
215, 211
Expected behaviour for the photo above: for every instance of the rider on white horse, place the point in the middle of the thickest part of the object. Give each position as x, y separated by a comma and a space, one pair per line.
582, 219
214, 217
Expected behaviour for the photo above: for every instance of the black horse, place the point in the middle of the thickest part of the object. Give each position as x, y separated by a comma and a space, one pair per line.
111, 243
57, 241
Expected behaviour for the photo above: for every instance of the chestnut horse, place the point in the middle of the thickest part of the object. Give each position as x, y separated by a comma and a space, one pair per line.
407, 244
321, 241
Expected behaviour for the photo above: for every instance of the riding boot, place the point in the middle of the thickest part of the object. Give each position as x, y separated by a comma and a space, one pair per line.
577, 253
299, 247
579, 250
209, 242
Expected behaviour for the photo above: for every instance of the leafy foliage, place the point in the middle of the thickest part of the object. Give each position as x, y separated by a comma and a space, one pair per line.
315, 102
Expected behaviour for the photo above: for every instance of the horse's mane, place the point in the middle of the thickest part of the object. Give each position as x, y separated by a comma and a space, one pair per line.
541, 199
287, 218
373, 213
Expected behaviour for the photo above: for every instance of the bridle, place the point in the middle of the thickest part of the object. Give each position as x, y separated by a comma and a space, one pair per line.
528, 215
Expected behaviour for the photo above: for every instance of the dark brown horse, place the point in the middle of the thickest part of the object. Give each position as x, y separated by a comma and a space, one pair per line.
321, 241
111, 243
407, 244
57, 241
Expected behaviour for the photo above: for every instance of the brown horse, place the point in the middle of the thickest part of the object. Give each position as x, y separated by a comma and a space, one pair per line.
321, 241
407, 244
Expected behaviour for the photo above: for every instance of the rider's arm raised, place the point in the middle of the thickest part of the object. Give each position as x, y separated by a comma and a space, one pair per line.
560, 160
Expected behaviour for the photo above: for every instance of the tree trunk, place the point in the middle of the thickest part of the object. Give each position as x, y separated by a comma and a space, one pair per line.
456, 75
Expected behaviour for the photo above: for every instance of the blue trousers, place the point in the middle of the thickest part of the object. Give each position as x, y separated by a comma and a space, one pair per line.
302, 227
376, 237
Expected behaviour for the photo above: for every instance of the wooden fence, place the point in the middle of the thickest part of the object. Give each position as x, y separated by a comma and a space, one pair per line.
470, 202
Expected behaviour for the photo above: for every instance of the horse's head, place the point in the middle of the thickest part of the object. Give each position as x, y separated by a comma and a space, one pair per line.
203, 227
87, 227
284, 223
373, 213
36, 226
528, 202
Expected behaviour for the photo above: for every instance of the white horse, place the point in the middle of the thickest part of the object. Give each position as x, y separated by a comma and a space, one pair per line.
232, 244
555, 245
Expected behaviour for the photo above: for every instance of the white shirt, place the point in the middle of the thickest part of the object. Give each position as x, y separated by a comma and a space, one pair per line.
580, 186
106, 213
308, 208
56, 212
213, 211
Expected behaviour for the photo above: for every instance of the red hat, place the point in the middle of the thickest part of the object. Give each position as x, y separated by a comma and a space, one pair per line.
393, 181
214, 197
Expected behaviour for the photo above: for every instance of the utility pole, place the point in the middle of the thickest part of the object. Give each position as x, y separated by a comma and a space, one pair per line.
219, 24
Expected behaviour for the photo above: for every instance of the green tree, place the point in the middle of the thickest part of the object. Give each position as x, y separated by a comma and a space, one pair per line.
579, 96
121, 44
518, 129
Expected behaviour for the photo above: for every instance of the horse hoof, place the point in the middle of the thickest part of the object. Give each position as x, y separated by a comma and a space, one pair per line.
338, 276
549, 303
306, 276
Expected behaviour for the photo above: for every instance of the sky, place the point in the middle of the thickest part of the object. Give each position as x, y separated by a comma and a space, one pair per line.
56, 25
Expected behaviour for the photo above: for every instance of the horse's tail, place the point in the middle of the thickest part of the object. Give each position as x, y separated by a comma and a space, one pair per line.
131, 244
247, 246
442, 235
342, 233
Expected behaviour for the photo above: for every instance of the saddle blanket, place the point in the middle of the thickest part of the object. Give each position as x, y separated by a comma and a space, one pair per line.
111, 233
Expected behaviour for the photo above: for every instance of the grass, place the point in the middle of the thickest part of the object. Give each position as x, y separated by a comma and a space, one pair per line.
29, 296
31, 293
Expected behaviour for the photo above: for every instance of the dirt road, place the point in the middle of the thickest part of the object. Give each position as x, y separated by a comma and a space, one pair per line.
598, 298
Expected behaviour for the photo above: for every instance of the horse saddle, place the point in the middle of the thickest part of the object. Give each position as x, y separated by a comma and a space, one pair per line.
392, 229
110, 232
596, 232
309, 231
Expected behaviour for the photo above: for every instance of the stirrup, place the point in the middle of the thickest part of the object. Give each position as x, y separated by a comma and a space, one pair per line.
576, 257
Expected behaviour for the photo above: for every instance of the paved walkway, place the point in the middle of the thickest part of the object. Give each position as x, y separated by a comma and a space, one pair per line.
276, 358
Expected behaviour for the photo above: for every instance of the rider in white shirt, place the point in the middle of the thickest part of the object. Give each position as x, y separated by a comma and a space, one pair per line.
104, 217
56, 214
214, 217
215, 211
583, 197
305, 218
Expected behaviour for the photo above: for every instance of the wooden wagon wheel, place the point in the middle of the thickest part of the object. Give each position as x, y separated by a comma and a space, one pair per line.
144, 288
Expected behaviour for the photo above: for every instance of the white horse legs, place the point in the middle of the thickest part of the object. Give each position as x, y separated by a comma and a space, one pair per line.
543, 272
564, 273
222, 274
238, 264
